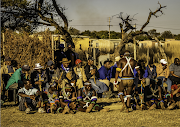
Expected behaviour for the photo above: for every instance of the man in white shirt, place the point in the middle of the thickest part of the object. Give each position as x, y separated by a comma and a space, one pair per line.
28, 98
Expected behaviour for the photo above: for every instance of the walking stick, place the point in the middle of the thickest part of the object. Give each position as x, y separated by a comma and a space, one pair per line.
40, 88
59, 80
141, 95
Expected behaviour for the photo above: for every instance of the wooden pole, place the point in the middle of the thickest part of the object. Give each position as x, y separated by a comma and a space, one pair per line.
109, 28
53, 48
94, 55
134, 48
148, 55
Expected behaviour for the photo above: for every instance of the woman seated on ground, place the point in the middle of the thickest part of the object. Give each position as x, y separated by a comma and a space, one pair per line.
87, 99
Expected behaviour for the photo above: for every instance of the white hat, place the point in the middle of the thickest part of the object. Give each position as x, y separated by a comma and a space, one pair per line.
163, 61
117, 58
38, 66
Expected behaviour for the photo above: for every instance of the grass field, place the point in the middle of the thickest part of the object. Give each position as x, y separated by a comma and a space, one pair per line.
12, 117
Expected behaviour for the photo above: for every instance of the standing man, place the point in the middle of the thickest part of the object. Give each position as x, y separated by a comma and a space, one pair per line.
71, 55
80, 73
126, 66
59, 55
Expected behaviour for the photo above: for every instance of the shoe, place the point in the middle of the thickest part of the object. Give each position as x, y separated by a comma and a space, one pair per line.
41, 110
27, 110
162, 105
105, 110
89, 108
66, 110
173, 105
152, 107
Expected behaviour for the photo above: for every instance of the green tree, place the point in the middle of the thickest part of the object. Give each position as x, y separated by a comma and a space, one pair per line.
166, 35
177, 37
36, 13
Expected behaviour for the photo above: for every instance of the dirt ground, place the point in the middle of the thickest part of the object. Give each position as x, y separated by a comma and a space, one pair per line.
12, 117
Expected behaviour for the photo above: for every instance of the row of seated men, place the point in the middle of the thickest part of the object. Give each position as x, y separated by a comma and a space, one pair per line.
77, 75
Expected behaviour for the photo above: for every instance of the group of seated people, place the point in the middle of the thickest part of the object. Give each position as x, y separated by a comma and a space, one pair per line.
66, 89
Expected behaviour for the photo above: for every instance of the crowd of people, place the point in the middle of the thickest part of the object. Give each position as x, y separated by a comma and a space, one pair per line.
67, 86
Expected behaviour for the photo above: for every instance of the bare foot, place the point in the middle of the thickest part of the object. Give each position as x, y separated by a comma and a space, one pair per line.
123, 107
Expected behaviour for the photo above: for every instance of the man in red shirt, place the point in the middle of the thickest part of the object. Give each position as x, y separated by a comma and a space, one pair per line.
175, 90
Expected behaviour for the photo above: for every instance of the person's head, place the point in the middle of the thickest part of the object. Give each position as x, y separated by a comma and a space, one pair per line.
163, 62
50, 90
127, 53
78, 63
107, 64
176, 61
25, 69
38, 67
65, 62
50, 64
90, 61
8, 61
87, 85
27, 83
69, 46
68, 87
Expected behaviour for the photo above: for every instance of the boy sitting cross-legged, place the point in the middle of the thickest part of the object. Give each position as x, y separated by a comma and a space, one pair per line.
87, 99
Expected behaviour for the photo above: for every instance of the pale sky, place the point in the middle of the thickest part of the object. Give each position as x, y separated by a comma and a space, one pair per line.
96, 12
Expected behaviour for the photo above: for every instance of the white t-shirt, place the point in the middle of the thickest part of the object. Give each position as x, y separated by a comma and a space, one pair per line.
31, 91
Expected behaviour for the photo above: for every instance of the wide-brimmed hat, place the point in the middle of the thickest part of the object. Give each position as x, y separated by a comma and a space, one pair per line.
38, 66
7, 59
65, 60
26, 67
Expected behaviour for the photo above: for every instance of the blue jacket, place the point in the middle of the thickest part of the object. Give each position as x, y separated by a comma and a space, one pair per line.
103, 73
145, 75
150, 73
113, 71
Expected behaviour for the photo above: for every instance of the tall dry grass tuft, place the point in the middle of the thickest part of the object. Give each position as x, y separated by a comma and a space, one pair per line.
28, 50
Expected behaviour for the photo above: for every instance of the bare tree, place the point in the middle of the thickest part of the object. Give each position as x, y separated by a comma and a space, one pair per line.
36, 13
126, 26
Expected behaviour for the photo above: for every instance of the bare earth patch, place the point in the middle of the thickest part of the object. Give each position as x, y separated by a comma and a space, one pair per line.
12, 117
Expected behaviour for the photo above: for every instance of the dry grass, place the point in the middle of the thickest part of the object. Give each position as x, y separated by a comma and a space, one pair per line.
28, 50
11, 116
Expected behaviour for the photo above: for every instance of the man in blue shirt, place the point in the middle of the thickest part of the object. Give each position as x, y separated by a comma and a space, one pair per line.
104, 73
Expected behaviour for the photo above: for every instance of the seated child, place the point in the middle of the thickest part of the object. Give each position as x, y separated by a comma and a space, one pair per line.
53, 101
67, 98
87, 99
